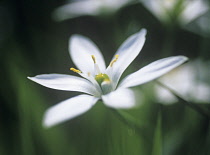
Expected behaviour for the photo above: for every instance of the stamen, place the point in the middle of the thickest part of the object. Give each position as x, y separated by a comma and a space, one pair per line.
96, 68
94, 58
113, 61
75, 70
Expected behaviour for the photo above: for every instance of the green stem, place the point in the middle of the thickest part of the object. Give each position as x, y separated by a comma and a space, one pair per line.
195, 107
157, 139
127, 119
131, 122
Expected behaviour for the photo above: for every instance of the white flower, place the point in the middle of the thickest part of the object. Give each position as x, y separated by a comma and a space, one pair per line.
88, 7
100, 82
200, 25
184, 10
189, 81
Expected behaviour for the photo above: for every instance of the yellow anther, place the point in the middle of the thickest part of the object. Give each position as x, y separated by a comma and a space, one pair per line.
113, 61
75, 70
94, 58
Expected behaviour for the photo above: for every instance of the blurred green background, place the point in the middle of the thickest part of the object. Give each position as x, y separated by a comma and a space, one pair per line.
32, 42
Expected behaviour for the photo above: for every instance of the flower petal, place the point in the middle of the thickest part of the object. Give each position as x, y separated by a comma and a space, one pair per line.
66, 82
152, 71
81, 49
193, 10
76, 9
157, 8
164, 96
127, 53
68, 109
106, 87
121, 98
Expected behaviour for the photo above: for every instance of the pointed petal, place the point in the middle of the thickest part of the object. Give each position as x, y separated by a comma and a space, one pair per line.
76, 9
164, 96
65, 82
121, 98
127, 53
91, 78
106, 87
68, 109
152, 71
81, 49
156, 8
193, 10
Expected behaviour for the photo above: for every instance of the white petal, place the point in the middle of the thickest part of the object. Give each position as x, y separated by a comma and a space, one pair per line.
127, 53
68, 109
201, 93
65, 82
193, 10
121, 98
152, 71
106, 87
189, 81
92, 79
77, 8
81, 49
164, 96
114, 5
156, 7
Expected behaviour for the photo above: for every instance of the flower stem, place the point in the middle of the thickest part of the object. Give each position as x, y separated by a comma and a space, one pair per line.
157, 139
127, 119
194, 106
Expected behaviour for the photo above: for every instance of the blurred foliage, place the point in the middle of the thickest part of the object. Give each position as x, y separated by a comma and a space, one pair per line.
32, 43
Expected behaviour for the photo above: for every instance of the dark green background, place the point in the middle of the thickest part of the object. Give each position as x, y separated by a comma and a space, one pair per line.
31, 43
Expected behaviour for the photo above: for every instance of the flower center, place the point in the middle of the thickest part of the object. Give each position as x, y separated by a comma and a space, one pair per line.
101, 78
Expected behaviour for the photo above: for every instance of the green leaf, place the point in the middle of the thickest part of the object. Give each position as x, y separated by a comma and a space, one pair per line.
157, 140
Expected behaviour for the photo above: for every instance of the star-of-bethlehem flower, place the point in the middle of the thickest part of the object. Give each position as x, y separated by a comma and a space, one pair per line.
184, 10
88, 7
99, 82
